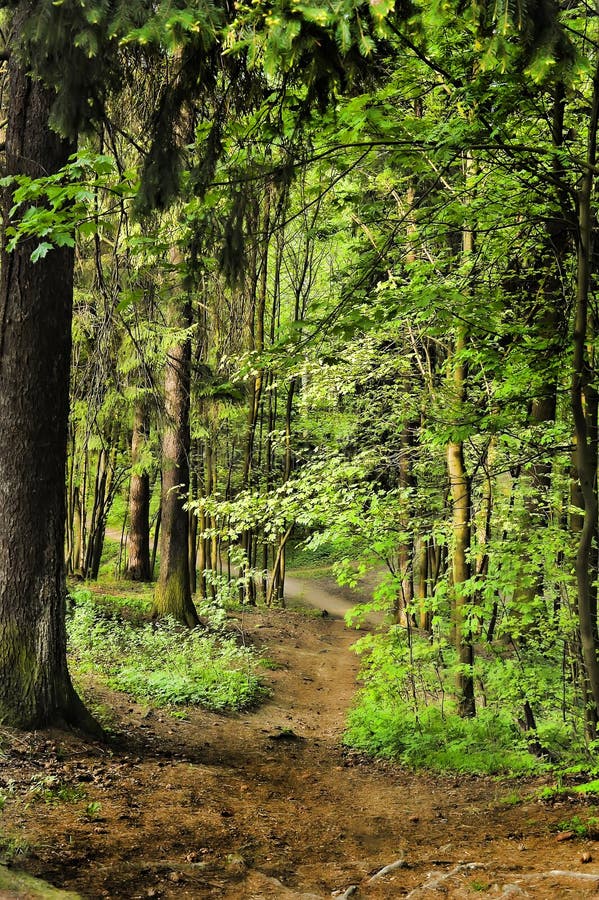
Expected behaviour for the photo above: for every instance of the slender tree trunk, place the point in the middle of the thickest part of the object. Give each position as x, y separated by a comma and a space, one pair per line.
70, 536
193, 520
155, 542
460, 493
35, 346
585, 455
173, 591
103, 497
202, 525
77, 558
460, 489
403, 610
138, 565
421, 555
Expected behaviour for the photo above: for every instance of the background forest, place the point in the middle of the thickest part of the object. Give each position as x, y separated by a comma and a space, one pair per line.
335, 293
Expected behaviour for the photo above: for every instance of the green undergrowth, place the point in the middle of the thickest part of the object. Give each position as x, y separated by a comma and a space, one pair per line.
567, 787
405, 711
429, 739
302, 557
159, 663
132, 603
583, 827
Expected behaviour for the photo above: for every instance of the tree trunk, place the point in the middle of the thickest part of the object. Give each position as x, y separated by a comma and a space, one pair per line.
586, 463
99, 513
35, 346
138, 566
460, 493
173, 590
460, 488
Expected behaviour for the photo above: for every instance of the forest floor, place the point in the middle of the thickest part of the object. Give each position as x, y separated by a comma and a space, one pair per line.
268, 803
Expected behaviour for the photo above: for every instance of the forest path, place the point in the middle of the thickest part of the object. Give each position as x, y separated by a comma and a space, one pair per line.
268, 804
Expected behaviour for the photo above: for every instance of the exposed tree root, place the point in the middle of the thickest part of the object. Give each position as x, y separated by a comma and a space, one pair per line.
434, 883
392, 867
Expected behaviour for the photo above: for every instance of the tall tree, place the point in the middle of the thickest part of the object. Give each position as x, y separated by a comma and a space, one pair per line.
138, 566
173, 590
35, 319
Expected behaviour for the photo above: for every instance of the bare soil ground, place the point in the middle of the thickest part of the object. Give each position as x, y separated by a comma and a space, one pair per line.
268, 803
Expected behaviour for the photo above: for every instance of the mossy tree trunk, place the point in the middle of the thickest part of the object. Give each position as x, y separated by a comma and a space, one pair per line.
35, 346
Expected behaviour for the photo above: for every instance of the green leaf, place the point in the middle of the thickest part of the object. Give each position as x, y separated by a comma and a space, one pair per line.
40, 251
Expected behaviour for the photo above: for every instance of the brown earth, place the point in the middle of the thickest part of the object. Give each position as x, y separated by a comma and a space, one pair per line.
269, 804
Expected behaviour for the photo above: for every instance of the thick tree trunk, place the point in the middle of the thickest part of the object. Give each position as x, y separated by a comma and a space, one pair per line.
173, 590
138, 566
35, 345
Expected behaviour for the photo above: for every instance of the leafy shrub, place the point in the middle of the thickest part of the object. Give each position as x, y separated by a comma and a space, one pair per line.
162, 663
487, 744
405, 710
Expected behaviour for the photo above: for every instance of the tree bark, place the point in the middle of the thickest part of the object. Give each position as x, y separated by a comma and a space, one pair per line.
173, 590
460, 488
460, 494
586, 463
35, 347
138, 566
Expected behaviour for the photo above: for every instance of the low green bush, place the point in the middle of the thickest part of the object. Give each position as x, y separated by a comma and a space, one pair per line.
488, 744
160, 663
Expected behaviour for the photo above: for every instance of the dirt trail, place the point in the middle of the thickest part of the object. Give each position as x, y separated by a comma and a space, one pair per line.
334, 601
268, 804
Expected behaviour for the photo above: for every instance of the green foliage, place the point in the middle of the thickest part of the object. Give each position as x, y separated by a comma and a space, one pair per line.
50, 789
588, 827
162, 663
55, 207
591, 787
485, 745
13, 847
405, 710
117, 602
171, 29
92, 811
319, 45
309, 554
588, 788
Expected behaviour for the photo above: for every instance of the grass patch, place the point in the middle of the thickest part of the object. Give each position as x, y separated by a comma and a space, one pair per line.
587, 789
271, 665
318, 559
163, 664
13, 847
588, 827
313, 572
590, 787
511, 799
300, 606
